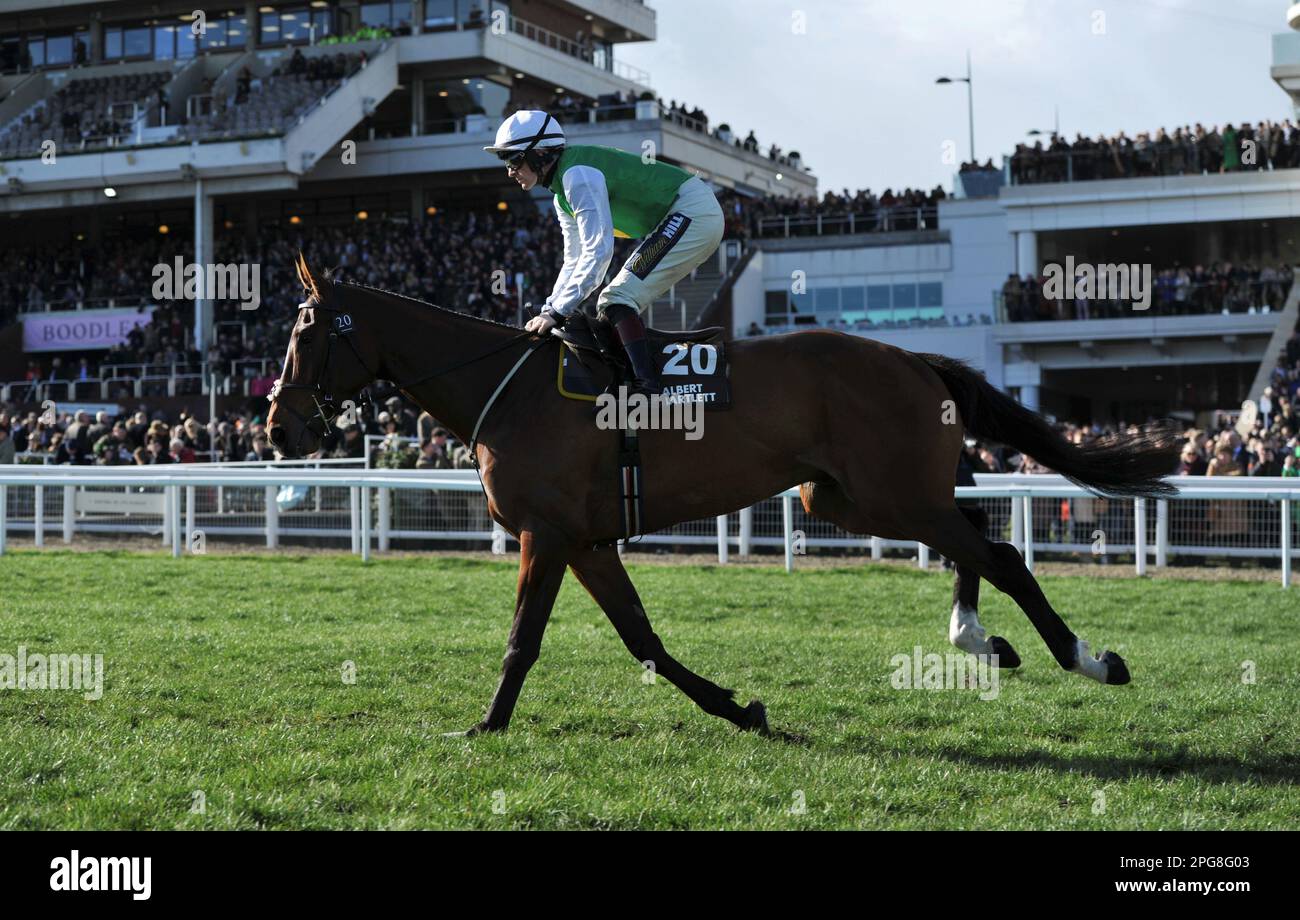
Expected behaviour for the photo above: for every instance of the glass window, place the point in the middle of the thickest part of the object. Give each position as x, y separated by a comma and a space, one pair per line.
58, 49
776, 305
376, 14
878, 303
214, 36
184, 41
135, 42
321, 20
236, 31
801, 303
439, 14
853, 304
826, 300
271, 28
36, 48
164, 42
905, 302
401, 18
295, 26
929, 294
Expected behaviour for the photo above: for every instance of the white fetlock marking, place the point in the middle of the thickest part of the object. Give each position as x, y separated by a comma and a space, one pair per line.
1087, 665
965, 631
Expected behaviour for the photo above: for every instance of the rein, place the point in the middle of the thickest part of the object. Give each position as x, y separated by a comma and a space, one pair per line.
327, 411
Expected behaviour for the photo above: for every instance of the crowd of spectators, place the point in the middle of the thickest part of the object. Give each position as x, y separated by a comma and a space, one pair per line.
1178, 290
141, 438
1186, 151
908, 209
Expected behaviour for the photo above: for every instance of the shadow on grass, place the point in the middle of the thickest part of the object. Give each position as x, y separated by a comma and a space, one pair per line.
1251, 767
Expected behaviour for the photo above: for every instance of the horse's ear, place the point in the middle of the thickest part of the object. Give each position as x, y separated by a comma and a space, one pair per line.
305, 278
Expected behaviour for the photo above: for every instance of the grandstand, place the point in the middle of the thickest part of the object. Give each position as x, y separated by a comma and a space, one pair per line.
354, 134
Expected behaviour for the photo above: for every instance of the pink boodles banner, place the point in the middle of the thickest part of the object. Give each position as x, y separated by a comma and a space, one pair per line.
81, 330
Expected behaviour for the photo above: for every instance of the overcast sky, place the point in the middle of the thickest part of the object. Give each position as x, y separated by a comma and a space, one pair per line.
855, 92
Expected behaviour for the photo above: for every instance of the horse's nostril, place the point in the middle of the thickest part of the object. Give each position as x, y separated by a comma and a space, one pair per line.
277, 435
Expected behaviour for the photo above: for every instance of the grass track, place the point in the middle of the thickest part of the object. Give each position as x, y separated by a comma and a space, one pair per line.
224, 674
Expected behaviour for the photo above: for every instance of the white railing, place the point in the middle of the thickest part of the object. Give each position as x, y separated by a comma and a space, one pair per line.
1217, 517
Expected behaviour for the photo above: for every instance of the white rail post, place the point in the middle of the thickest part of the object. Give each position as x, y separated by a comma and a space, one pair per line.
922, 556
166, 516
722, 539
1286, 543
1028, 505
1018, 523
385, 511
746, 530
272, 518
621, 545
1162, 533
365, 523
4, 516
69, 512
787, 528
877, 549
173, 506
1140, 535
354, 514
189, 518
38, 537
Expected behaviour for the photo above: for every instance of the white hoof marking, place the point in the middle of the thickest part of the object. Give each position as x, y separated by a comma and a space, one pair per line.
1087, 665
965, 631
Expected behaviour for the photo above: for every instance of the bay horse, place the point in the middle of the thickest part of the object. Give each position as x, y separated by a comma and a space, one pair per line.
870, 434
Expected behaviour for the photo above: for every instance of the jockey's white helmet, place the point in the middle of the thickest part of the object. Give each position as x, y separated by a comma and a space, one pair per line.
526, 131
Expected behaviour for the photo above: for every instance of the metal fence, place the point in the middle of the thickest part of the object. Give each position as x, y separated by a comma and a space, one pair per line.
185, 504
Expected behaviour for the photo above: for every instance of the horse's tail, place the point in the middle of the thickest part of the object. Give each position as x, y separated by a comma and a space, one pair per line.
1120, 466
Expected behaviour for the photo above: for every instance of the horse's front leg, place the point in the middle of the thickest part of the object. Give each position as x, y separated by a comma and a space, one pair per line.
541, 569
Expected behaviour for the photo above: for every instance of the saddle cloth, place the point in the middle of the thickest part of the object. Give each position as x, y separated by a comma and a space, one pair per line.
692, 365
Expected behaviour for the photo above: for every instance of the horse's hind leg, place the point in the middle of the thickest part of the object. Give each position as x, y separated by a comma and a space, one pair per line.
948, 531
602, 574
964, 628
826, 500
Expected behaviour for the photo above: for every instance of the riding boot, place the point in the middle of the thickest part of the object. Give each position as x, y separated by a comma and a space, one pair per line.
631, 332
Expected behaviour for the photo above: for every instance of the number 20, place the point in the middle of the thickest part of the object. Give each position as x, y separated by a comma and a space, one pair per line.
704, 360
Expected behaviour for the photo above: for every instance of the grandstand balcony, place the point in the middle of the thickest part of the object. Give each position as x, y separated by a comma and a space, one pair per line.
263, 142
457, 146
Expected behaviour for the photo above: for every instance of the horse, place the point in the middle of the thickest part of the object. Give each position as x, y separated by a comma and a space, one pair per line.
869, 433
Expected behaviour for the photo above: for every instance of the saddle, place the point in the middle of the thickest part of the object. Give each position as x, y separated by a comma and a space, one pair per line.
593, 341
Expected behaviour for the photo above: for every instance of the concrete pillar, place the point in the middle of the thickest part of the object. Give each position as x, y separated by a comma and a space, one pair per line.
417, 203
1026, 253
203, 255
1029, 397
253, 33
95, 53
417, 106
250, 218
417, 16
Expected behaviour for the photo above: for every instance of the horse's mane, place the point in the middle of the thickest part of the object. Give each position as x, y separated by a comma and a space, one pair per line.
329, 276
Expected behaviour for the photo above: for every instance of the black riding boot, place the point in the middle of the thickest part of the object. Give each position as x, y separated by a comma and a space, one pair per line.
631, 332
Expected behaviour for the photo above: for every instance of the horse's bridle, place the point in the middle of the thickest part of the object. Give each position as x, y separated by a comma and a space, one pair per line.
323, 398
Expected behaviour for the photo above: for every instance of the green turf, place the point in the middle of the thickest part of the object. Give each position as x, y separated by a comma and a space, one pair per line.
224, 674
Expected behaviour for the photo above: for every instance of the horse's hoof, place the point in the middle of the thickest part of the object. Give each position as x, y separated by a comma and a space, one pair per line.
756, 718
1007, 657
1116, 669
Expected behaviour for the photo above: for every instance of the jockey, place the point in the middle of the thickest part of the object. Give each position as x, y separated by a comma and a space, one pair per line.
600, 193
